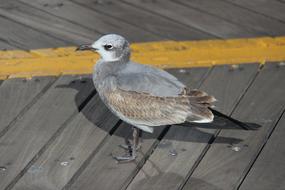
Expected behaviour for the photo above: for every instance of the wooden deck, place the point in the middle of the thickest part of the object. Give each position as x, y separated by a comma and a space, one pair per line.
56, 134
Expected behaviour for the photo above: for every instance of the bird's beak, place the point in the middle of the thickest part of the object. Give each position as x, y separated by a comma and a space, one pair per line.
85, 47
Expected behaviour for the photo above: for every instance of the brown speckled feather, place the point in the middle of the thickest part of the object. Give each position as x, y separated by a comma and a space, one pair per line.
145, 109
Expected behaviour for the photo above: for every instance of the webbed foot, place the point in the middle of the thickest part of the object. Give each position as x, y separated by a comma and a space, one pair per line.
131, 148
124, 158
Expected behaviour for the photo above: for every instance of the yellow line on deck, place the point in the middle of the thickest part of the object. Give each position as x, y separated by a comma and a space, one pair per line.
165, 54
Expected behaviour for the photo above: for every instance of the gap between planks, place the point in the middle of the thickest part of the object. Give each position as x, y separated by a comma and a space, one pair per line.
23, 109
269, 158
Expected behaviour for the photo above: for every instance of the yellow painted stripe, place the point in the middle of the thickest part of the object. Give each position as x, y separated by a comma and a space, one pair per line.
166, 54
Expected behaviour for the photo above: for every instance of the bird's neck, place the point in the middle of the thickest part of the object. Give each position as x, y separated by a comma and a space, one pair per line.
124, 58
104, 69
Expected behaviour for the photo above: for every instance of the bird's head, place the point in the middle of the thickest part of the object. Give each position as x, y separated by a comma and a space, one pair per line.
111, 47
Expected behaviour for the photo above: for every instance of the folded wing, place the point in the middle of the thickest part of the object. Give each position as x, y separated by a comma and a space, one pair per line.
146, 79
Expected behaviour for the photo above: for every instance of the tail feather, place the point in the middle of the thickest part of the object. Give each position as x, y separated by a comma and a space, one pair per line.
203, 100
196, 93
200, 115
200, 103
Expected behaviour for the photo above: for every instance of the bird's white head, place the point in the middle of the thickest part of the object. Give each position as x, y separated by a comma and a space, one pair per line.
111, 47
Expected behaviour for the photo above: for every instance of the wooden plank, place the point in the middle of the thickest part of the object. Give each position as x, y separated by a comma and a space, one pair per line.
105, 172
40, 20
92, 20
229, 92
146, 20
271, 8
35, 131
268, 170
101, 168
195, 18
193, 78
24, 37
225, 165
5, 46
70, 150
237, 15
166, 171
17, 95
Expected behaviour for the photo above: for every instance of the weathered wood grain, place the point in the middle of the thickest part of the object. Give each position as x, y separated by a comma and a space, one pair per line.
166, 171
192, 78
145, 20
225, 165
70, 150
91, 19
25, 37
228, 83
237, 15
5, 46
268, 170
194, 18
33, 133
105, 172
17, 95
271, 8
46, 22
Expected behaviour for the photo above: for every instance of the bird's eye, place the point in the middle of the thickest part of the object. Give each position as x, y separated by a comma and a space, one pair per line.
108, 47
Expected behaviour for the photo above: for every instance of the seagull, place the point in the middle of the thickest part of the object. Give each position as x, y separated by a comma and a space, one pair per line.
141, 95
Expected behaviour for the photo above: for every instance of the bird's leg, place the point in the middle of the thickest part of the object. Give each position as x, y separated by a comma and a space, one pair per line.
128, 145
135, 141
132, 151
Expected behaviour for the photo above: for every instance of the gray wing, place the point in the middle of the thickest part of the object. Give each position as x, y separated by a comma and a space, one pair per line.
146, 79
